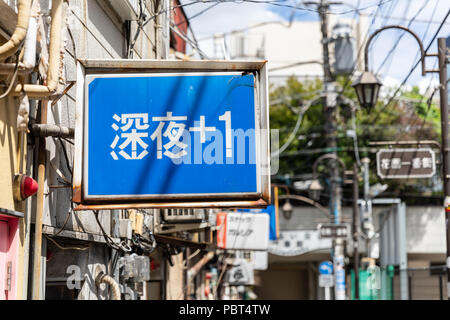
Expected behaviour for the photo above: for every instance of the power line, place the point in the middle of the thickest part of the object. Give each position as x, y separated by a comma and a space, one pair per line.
429, 102
175, 29
347, 82
427, 29
294, 132
417, 20
396, 45
360, 49
279, 3
251, 27
414, 120
198, 14
409, 74
288, 66
139, 29
318, 11
380, 3
413, 68
400, 37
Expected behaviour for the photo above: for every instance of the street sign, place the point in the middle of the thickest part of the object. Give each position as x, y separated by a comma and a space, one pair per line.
241, 273
171, 134
326, 267
334, 231
244, 231
297, 242
258, 259
326, 280
272, 212
326, 277
406, 163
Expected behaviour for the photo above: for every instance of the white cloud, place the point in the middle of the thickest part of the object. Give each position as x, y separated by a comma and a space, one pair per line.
390, 82
427, 85
227, 16
390, 85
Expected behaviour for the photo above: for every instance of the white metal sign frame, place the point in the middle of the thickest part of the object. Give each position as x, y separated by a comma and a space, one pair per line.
409, 176
87, 68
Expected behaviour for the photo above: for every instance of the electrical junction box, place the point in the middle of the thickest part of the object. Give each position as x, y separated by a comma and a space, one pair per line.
135, 268
125, 228
177, 215
241, 273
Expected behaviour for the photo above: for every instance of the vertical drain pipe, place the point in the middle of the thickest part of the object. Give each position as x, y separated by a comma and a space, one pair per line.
36, 284
52, 81
42, 91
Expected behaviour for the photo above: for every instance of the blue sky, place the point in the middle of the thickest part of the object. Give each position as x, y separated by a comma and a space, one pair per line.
231, 16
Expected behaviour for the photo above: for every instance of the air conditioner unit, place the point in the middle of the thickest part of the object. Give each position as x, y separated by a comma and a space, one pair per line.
126, 9
177, 215
179, 220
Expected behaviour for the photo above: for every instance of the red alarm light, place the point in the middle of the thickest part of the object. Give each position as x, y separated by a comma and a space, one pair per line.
24, 187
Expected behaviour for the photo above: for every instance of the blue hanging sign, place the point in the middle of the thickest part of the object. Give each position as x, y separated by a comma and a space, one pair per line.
171, 135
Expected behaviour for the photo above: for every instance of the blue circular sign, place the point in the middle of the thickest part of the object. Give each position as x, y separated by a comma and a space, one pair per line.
326, 267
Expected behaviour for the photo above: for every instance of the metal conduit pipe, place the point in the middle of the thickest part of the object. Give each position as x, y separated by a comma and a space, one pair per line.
23, 17
192, 272
29, 54
36, 281
37, 253
52, 130
115, 288
35, 91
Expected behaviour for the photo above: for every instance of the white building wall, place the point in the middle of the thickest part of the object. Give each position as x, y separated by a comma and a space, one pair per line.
425, 230
298, 42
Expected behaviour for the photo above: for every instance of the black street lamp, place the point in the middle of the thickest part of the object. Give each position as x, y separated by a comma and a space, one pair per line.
315, 189
287, 209
367, 86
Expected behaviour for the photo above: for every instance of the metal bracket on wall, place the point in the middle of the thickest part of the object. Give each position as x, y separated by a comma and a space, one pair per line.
69, 86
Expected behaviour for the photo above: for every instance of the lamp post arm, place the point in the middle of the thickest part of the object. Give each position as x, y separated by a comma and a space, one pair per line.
366, 51
309, 201
327, 156
296, 128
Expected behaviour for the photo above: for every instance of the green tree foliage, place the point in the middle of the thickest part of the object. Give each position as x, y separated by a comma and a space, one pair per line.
409, 118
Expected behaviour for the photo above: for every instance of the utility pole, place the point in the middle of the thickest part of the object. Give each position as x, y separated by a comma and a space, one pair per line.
443, 91
329, 106
355, 229
367, 207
